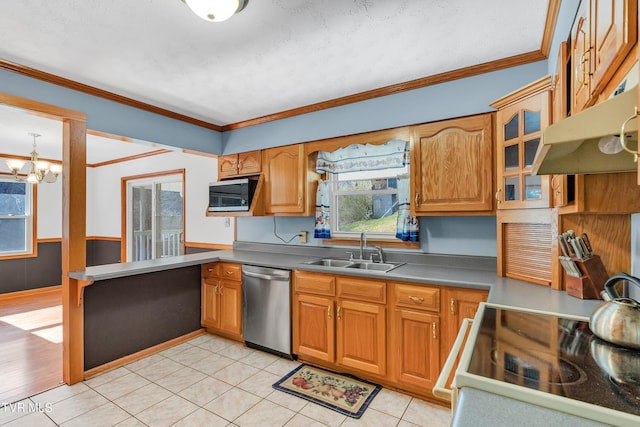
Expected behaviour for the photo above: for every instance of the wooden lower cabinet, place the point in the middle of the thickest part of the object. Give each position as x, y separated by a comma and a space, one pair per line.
416, 338
399, 333
361, 337
222, 299
415, 343
457, 304
313, 327
348, 332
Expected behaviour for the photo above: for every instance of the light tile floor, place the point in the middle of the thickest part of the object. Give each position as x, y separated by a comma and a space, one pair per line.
207, 381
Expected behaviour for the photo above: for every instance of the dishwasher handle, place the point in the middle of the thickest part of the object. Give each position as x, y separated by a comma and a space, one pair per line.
265, 276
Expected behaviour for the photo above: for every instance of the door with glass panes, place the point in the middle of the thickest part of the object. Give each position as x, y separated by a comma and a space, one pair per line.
155, 217
520, 127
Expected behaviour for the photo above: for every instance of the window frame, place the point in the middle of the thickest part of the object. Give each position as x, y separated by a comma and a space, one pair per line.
31, 198
335, 194
353, 239
154, 178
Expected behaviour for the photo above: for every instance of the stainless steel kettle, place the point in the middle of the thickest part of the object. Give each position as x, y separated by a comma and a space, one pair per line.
617, 320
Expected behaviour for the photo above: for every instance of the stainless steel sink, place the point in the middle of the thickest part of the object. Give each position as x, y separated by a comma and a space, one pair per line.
362, 264
330, 262
377, 266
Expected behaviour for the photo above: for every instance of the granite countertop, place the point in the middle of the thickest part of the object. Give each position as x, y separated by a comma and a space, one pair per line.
444, 270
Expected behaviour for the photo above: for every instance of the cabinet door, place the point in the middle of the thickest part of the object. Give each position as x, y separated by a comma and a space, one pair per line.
459, 304
361, 336
520, 127
580, 60
284, 179
230, 307
249, 163
210, 317
452, 165
227, 166
313, 327
416, 348
613, 32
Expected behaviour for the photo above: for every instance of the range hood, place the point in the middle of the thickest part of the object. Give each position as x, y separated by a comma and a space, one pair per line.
571, 146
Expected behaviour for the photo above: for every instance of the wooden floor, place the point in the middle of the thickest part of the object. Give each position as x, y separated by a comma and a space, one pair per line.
30, 344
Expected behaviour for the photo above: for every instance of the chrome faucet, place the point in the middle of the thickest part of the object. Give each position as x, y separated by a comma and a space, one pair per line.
380, 254
363, 244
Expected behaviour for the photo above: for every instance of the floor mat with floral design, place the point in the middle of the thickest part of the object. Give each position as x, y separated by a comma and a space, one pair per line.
343, 393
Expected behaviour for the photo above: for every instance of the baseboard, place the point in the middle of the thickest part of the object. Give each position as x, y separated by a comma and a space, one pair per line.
30, 292
142, 353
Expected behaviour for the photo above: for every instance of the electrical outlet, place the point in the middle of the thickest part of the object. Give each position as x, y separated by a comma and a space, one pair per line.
303, 237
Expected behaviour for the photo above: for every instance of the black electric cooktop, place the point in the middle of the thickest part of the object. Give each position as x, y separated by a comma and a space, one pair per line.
556, 355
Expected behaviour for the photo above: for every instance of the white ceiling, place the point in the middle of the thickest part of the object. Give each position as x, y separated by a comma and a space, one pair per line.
273, 56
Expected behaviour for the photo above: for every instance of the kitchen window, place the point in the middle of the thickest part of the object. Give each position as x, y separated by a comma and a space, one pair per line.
365, 201
17, 210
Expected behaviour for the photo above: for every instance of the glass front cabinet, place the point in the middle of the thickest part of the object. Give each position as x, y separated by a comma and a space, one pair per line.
521, 118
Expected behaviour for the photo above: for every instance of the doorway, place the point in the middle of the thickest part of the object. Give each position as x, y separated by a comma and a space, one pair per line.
154, 206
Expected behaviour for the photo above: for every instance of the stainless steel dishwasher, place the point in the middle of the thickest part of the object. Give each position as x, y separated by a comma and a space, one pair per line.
266, 309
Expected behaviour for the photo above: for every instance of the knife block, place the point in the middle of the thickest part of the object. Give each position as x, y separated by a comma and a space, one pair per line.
589, 285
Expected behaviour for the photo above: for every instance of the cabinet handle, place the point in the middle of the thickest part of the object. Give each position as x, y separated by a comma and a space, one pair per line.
452, 306
210, 269
220, 289
215, 290
498, 195
329, 311
416, 299
434, 330
338, 312
580, 69
417, 199
229, 273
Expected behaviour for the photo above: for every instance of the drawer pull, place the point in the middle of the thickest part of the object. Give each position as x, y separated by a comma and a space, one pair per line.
210, 269
229, 273
416, 299
434, 330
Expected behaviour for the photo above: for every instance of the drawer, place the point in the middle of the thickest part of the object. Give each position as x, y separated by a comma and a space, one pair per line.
230, 271
362, 289
211, 269
418, 297
314, 283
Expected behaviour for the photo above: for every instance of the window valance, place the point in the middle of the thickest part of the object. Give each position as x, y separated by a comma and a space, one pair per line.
363, 157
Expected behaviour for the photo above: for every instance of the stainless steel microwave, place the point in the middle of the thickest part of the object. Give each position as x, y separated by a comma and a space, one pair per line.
231, 195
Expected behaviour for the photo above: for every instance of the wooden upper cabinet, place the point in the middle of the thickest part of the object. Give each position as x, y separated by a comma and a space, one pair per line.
614, 30
521, 118
452, 166
602, 35
242, 164
284, 179
580, 60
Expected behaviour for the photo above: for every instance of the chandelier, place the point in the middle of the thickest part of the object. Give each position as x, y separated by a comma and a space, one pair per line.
216, 10
38, 170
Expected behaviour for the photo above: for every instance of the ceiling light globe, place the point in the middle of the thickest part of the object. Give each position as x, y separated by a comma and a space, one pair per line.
214, 10
42, 165
15, 165
55, 168
32, 178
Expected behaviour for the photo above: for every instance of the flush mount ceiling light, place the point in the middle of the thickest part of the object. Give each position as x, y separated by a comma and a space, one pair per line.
38, 170
216, 10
